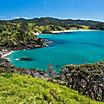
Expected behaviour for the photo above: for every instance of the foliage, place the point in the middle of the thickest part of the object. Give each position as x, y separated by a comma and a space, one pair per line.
66, 23
13, 34
19, 32
21, 89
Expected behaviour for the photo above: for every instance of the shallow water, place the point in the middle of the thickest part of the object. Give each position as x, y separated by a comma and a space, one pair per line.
68, 48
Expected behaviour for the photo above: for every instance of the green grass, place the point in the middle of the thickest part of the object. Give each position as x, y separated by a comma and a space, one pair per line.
20, 89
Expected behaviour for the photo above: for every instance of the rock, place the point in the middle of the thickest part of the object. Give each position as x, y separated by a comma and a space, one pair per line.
26, 59
86, 78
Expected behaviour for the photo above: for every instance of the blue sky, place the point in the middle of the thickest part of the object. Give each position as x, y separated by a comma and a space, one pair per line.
76, 9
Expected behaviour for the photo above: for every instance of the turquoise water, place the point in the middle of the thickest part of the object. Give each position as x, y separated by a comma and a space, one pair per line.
67, 48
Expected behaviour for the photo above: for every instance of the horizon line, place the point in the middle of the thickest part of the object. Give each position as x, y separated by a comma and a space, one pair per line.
27, 18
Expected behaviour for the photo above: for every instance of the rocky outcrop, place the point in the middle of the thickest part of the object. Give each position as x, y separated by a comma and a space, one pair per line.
87, 79
26, 59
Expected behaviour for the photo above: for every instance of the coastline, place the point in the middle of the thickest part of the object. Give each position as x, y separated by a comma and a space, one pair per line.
65, 31
37, 33
84, 74
6, 54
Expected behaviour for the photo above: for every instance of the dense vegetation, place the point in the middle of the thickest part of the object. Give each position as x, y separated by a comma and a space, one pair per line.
21, 89
66, 23
87, 79
21, 31
14, 34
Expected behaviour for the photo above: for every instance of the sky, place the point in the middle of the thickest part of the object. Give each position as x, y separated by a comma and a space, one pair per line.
74, 9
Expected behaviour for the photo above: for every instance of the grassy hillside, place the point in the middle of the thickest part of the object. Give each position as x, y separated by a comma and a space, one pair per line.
20, 89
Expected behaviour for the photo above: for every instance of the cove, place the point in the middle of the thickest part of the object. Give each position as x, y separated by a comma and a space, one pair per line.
67, 48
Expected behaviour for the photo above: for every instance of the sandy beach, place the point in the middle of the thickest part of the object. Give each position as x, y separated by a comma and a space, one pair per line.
70, 31
53, 32
6, 54
37, 33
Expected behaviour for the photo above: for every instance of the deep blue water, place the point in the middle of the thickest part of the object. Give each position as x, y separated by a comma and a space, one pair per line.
67, 48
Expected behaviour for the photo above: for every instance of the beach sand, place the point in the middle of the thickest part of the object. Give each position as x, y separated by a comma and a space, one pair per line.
6, 54
71, 31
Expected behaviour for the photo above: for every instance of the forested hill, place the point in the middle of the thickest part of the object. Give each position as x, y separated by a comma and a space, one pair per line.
61, 22
21, 31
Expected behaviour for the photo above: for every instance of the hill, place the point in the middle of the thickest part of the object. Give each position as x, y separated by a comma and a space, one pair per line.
21, 89
66, 23
20, 32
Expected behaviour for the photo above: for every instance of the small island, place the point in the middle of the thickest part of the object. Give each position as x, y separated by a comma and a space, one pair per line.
25, 59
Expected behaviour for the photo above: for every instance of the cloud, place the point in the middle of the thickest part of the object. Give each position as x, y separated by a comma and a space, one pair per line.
14, 17
21, 17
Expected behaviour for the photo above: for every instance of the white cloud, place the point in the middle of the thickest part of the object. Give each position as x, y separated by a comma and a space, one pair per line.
20, 17
16, 17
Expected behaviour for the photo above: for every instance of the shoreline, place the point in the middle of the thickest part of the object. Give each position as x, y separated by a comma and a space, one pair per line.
37, 33
77, 77
6, 54
65, 31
